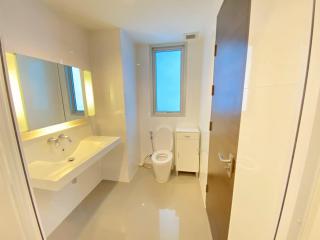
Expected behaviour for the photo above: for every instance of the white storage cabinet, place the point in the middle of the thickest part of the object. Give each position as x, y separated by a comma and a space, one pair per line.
187, 150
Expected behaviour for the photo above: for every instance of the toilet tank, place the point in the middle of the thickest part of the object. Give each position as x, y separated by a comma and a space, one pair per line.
163, 139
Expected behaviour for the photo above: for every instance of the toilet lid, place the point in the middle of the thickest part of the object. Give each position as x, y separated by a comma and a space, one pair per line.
163, 139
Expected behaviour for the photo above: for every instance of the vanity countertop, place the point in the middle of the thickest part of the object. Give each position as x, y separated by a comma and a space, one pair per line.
55, 175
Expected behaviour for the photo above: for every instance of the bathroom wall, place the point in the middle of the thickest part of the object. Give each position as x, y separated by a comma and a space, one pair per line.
131, 102
311, 221
205, 108
277, 59
193, 82
106, 69
302, 206
206, 97
10, 226
28, 27
112, 60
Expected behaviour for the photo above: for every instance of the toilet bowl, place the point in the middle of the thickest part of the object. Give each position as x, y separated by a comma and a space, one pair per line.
162, 156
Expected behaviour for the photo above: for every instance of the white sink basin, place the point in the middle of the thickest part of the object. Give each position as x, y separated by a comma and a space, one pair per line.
55, 175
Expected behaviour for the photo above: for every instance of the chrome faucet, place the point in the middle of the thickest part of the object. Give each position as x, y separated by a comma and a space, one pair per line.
62, 136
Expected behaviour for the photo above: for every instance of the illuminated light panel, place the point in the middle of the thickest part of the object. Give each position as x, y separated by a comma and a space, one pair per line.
16, 92
89, 93
52, 129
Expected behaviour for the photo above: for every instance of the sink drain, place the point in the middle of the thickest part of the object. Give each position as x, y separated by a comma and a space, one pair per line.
71, 159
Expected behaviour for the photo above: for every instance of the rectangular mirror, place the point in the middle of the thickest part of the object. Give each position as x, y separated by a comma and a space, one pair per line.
51, 93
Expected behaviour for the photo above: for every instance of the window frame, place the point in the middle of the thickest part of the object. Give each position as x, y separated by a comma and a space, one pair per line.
71, 92
169, 47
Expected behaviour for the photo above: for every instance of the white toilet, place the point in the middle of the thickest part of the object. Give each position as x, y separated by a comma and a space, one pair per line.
162, 155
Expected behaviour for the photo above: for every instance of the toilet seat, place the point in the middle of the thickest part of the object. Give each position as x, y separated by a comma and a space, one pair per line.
162, 157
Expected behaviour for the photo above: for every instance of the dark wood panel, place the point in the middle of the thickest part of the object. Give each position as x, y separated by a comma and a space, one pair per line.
230, 65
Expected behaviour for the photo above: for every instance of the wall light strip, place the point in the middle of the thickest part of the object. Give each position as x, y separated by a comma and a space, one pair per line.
16, 91
52, 129
89, 93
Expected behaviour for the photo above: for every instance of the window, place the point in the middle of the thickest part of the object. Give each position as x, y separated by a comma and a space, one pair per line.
168, 80
75, 90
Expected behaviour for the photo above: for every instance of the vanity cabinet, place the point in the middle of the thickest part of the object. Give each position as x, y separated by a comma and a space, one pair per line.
187, 150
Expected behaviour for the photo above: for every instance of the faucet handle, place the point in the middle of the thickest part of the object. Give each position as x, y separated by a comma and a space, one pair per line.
53, 140
63, 136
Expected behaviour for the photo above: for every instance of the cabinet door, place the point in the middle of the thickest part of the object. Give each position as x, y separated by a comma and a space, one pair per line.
188, 155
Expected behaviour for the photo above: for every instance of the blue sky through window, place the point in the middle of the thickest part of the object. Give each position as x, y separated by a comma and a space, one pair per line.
168, 80
77, 89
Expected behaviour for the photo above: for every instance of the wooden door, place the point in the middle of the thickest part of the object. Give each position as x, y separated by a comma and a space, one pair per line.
229, 74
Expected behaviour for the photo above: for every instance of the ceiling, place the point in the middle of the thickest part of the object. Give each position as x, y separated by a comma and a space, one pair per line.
147, 21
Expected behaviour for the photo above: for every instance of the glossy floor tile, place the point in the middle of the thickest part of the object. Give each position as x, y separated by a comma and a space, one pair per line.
140, 210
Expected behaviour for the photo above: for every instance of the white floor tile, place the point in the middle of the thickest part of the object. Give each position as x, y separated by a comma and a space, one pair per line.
140, 210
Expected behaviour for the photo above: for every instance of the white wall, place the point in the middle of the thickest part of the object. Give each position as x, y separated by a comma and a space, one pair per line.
205, 109
193, 81
30, 28
206, 97
10, 225
112, 60
131, 102
105, 57
279, 40
311, 230
302, 201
